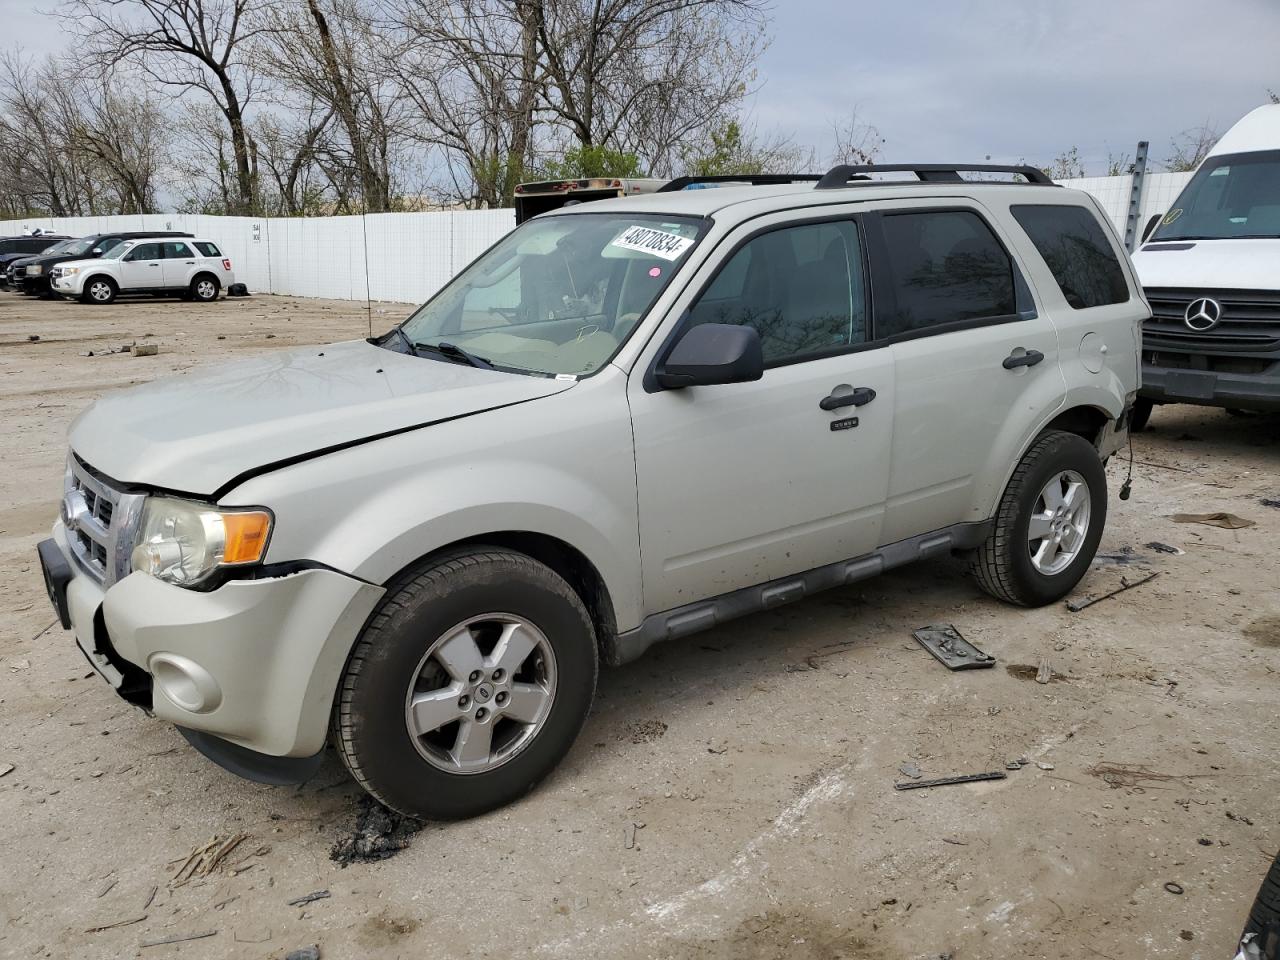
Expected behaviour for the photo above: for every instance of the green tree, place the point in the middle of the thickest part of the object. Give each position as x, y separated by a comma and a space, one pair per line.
593, 161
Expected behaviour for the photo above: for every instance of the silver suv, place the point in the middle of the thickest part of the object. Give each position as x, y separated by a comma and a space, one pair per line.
628, 421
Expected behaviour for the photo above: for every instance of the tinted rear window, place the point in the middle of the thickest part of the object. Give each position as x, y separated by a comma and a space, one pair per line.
208, 249
1076, 250
946, 267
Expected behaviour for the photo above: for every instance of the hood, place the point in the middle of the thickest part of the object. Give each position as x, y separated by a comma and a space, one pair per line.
1210, 264
197, 432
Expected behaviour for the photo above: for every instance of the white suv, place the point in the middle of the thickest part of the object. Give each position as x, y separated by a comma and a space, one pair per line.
627, 421
161, 265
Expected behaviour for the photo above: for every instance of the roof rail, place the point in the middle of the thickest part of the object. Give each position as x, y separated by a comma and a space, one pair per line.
838, 177
754, 179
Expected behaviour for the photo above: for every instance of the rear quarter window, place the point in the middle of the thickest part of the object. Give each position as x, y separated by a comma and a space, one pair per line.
207, 249
1077, 252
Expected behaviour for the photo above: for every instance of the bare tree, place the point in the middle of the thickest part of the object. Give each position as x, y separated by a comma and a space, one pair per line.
736, 148
187, 46
1190, 147
124, 134
287, 157
856, 141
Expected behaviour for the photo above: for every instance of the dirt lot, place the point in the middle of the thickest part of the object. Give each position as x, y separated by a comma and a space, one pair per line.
731, 796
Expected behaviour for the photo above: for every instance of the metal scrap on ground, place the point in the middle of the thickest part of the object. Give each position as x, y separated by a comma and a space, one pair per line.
948, 781
951, 649
1075, 606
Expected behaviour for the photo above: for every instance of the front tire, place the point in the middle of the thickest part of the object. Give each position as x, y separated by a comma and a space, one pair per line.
468, 685
99, 290
1048, 524
1140, 414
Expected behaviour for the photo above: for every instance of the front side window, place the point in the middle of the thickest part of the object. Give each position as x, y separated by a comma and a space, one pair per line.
558, 295
944, 267
801, 288
145, 251
1233, 195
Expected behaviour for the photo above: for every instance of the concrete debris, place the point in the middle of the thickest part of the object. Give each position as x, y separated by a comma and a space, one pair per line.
1043, 765
1044, 673
911, 770
145, 350
306, 953
379, 833
6, 769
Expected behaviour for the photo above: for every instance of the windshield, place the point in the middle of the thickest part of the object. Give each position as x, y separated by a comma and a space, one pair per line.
1232, 195
559, 295
77, 247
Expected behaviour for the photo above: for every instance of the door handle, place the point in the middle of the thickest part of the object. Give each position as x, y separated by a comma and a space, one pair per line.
844, 396
1028, 359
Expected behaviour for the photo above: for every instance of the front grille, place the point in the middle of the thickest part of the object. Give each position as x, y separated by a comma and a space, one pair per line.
100, 520
19, 272
1250, 321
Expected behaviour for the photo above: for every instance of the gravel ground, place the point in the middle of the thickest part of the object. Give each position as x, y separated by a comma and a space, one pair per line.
732, 795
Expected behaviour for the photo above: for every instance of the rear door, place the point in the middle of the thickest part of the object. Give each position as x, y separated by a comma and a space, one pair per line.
973, 359
179, 264
744, 483
142, 268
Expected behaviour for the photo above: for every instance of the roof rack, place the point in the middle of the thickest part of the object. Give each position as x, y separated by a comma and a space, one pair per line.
754, 179
838, 177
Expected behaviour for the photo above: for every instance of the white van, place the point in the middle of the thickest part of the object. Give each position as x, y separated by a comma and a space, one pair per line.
1211, 272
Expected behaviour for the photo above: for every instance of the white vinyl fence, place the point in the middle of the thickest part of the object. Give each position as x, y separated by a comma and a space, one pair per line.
406, 257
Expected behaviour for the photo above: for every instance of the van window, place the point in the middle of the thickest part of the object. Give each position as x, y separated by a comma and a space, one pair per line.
800, 287
1076, 251
1234, 195
945, 266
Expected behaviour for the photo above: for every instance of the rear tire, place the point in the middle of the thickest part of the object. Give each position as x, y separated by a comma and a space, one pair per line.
204, 288
99, 290
1060, 487
1140, 414
468, 685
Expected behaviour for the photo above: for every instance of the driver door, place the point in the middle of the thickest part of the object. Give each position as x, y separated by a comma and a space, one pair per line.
143, 268
744, 483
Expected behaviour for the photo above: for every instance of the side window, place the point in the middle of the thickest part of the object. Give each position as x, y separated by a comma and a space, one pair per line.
176, 250
144, 251
1076, 251
802, 288
944, 266
207, 249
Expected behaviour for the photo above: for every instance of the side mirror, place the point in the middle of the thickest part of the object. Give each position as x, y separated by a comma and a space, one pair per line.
712, 353
1150, 227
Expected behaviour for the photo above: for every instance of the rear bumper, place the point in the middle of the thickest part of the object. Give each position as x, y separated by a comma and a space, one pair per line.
1260, 391
254, 663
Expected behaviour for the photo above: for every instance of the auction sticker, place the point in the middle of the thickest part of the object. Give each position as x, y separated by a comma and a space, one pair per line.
659, 243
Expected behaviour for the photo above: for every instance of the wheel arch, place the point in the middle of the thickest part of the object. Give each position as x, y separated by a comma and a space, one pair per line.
562, 557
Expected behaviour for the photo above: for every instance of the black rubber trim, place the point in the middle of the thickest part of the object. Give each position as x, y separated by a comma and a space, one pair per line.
57, 574
704, 614
251, 765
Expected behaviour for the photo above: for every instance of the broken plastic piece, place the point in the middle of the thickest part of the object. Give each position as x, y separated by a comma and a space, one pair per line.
950, 649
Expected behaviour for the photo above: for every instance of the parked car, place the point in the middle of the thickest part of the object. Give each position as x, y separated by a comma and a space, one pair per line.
1209, 271
32, 276
18, 248
624, 423
186, 268
11, 264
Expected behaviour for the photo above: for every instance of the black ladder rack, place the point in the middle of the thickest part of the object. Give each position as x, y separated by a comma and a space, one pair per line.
838, 177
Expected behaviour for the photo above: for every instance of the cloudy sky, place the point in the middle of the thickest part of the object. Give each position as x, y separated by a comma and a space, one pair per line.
966, 79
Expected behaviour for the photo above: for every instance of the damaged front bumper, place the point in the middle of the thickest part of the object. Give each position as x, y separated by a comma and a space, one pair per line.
248, 671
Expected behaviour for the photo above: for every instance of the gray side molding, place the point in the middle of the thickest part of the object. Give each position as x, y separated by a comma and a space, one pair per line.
704, 614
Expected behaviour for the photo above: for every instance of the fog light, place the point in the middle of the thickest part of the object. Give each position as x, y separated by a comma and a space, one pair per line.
185, 682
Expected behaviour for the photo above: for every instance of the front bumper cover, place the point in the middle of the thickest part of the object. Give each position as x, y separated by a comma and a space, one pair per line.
267, 654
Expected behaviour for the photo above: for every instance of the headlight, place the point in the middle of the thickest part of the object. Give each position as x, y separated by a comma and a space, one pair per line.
34, 271
184, 542
68, 271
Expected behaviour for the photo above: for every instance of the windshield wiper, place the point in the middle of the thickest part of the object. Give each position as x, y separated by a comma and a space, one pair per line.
454, 352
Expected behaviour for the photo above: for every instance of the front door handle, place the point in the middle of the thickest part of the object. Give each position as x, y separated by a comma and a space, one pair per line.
1028, 358
846, 396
